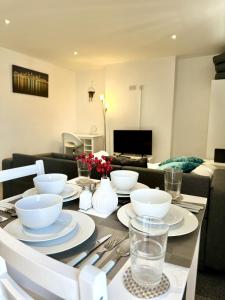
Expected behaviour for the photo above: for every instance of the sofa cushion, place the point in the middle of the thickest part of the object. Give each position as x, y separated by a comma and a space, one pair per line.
192, 159
126, 161
62, 156
185, 166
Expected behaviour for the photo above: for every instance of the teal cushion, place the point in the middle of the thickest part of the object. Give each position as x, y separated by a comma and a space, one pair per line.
185, 166
191, 159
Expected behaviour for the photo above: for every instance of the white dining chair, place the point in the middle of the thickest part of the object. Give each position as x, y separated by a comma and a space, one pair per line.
9, 174
40, 276
72, 142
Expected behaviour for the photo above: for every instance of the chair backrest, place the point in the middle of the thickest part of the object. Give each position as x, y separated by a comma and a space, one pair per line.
9, 289
71, 141
41, 275
37, 168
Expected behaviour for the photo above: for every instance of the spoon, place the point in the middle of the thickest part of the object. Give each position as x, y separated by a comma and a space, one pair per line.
121, 251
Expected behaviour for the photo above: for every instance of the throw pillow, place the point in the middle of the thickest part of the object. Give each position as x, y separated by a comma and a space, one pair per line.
141, 162
185, 166
183, 159
125, 161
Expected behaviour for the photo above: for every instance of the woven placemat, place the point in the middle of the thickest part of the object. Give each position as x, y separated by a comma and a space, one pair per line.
141, 292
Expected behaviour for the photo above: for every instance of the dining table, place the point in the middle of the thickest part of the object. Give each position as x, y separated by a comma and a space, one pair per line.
181, 260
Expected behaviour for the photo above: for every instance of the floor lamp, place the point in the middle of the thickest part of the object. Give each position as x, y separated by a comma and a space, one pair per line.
105, 107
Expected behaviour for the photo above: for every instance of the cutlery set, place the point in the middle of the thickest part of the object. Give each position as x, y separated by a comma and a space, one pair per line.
195, 208
8, 208
111, 242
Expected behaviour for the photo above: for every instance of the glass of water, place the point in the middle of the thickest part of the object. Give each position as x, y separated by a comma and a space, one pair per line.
172, 182
148, 241
82, 168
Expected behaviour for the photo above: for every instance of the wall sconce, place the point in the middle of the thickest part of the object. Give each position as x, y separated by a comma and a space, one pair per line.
91, 92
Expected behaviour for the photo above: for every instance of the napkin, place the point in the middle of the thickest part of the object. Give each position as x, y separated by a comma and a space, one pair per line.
93, 212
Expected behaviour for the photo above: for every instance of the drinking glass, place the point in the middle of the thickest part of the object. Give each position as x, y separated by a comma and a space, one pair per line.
148, 241
82, 168
172, 182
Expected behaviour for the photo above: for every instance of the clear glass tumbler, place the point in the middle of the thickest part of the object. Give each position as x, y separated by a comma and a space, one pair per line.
148, 241
172, 182
82, 168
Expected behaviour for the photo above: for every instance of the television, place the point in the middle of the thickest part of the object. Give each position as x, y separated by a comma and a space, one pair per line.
133, 142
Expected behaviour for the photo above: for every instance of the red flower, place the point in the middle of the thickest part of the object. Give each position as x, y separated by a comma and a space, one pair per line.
102, 165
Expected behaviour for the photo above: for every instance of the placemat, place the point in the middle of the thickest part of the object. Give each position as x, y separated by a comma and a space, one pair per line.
146, 293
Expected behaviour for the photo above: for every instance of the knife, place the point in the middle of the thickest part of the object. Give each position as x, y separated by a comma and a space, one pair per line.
77, 259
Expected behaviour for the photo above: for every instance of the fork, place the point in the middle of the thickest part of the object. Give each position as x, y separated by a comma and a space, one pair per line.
8, 208
108, 246
121, 251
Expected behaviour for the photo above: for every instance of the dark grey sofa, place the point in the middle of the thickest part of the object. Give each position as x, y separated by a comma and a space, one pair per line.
212, 243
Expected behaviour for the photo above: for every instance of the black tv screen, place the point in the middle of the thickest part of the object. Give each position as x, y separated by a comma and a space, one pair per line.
133, 141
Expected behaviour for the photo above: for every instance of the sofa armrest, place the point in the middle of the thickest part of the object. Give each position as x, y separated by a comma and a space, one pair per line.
215, 242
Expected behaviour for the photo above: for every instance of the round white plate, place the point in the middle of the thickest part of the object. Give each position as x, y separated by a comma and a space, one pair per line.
189, 223
173, 217
85, 229
123, 194
69, 193
62, 226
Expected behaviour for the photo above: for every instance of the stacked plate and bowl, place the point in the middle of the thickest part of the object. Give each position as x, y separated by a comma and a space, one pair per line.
43, 223
145, 201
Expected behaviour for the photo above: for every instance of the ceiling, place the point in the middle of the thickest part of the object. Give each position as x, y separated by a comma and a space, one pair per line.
106, 32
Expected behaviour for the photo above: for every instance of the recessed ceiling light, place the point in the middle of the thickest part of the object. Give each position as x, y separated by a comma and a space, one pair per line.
7, 22
173, 36
75, 52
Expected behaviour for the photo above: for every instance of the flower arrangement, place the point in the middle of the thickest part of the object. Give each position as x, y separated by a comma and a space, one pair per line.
101, 165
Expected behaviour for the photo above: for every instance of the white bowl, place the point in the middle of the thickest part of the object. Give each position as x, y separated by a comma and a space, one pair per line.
39, 211
150, 202
124, 180
53, 183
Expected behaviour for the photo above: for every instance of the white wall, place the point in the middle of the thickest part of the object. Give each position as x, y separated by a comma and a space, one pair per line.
191, 109
157, 77
31, 124
89, 114
216, 135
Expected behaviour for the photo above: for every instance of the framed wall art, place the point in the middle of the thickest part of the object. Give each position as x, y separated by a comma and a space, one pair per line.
26, 81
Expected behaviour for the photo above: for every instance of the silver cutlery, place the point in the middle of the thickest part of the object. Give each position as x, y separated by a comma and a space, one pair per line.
121, 251
77, 259
10, 211
188, 204
7, 205
2, 219
108, 246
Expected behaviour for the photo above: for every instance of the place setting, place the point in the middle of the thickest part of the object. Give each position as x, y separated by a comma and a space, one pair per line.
42, 222
157, 203
54, 183
46, 227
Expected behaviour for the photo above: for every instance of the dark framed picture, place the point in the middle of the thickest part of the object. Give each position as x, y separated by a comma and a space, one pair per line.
26, 81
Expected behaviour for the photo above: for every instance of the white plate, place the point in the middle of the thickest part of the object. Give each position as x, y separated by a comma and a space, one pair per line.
85, 229
189, 223
69, 193
62, 226
123, 194
173, 217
